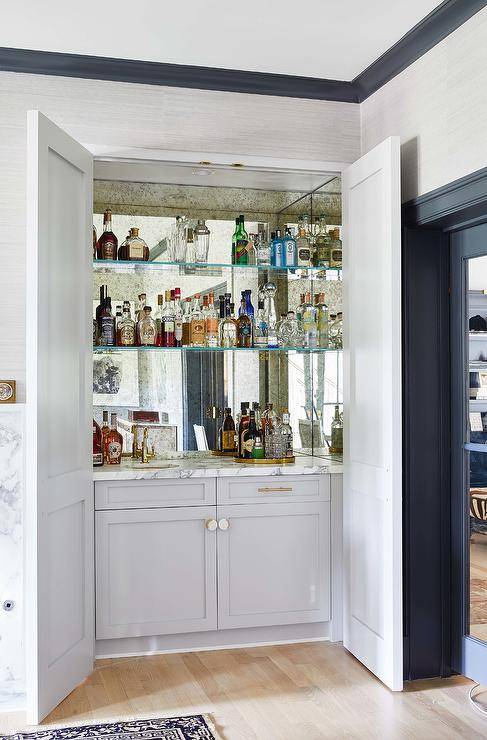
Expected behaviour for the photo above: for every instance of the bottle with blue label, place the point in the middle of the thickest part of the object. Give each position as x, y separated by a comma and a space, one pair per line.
277, 249
290, 251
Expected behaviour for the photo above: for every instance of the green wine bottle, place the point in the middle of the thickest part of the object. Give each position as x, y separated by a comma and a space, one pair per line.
242, 240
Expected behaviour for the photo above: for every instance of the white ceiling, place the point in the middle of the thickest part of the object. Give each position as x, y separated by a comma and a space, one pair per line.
334, 39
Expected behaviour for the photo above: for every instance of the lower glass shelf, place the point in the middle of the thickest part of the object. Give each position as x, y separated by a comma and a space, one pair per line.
304, 350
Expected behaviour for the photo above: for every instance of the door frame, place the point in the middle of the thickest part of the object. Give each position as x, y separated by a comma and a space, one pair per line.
434, 547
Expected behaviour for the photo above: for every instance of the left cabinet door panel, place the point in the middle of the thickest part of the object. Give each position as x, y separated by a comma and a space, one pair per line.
58, 508
155, 571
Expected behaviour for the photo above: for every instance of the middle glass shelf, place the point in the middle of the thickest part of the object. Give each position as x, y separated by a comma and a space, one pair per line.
152, 348
107, 266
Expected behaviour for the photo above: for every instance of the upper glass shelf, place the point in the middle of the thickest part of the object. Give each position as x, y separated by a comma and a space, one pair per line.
120, 265
304, 350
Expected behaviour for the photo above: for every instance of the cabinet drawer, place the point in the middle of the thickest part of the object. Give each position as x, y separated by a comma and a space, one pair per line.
274, 489
147, 494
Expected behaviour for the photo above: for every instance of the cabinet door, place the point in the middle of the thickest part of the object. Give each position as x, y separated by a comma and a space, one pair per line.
273, 564
372, 481
58, 481
155, 571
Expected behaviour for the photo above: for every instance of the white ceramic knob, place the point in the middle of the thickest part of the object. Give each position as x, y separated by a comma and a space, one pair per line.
223, 524
211, 524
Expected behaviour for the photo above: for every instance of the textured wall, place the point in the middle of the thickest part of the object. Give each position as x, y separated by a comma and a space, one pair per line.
438, 106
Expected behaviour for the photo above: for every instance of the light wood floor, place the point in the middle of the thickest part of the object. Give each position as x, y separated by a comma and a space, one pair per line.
478, 570
292, 692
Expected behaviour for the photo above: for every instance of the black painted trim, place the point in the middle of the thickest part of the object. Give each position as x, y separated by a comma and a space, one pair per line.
432, 29
442, 21
174, 75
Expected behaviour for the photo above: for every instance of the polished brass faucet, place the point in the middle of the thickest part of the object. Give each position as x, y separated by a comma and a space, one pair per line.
143, 451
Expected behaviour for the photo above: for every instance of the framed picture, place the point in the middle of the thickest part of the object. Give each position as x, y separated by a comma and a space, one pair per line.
7, 391
116, 379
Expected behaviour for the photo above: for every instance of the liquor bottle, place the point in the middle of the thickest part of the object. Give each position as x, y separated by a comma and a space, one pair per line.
107, 245
247, 437
186, 338
221, 316
168, 338
228, 328
197, 332
322, 320
290, 252
134, 248
269, 424
309, 323
211, 323
244, 327
118, 319
258, 448
336, 445
106, 324
258, 416
113, 444
336, 248
277, 250
105, 428
299, 309
322, 244
263, 249
234, 240
140, 309
260, 326
201, 241
303, 243
252, 249
158, 319
241, 242
94, 243
178, 318
227, 433
336, 331
97, 448
126, 329
190, 253
204, 307
285, 437
270, 290
242, 425
249, 309
146, 329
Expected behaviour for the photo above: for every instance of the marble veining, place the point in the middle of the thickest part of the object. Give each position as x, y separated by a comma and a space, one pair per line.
193, 467
11, 474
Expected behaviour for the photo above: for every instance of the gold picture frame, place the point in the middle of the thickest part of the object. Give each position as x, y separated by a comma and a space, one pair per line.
7, 391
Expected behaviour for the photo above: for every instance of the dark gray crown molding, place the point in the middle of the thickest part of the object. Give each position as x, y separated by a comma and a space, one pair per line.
435, 27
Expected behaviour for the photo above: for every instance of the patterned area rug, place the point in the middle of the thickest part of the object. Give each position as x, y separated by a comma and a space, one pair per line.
174, 728
478, 601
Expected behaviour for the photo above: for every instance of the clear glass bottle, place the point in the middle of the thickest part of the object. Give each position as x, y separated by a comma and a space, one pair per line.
113, 444
285, 437
140, 308
107, 245
268, 292
260, 327
167, 325
201, 237
134, 248
228, 328
197, 324
336, 248
309, 323
252, 249
336, 445
179, 240
211, 323
146, 329
186, 337
244, 326
277, 250
335, 331
290, 252
303, 243
190, 246
322, 244
322, 320
263, 249
178, 318
290, 333
126, 329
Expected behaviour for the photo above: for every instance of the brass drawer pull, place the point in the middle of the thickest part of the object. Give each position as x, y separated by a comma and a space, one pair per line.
268, 489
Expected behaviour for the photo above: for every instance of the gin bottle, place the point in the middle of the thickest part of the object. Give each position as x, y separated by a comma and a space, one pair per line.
322, 244
322, 320
303, 243
289, 252
263, 247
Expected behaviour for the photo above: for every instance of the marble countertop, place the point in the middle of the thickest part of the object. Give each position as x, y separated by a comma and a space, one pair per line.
211, 467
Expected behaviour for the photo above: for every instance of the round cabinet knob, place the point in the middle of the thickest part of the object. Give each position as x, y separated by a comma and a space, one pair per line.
223, 524
211, 524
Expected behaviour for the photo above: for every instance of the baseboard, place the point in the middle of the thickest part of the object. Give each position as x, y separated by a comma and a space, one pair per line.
218, 640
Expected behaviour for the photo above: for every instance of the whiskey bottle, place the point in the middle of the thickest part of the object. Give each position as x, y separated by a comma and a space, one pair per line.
322, 244
197, 331
244, 327
107, 245
168, 338
113, 444
178, 318
106, 324
146, 329
227, 433
211, 323
126, 329
97, 448
134, 248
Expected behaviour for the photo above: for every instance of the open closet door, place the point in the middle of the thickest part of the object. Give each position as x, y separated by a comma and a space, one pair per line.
372, 495
58, 482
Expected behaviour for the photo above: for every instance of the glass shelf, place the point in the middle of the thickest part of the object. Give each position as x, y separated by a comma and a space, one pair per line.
120, 265
303, 350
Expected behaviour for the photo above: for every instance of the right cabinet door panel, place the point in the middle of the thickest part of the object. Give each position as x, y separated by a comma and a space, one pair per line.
155, 571
273, 564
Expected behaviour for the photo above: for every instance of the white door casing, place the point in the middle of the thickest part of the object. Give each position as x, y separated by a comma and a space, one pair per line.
59, 609
372, 491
